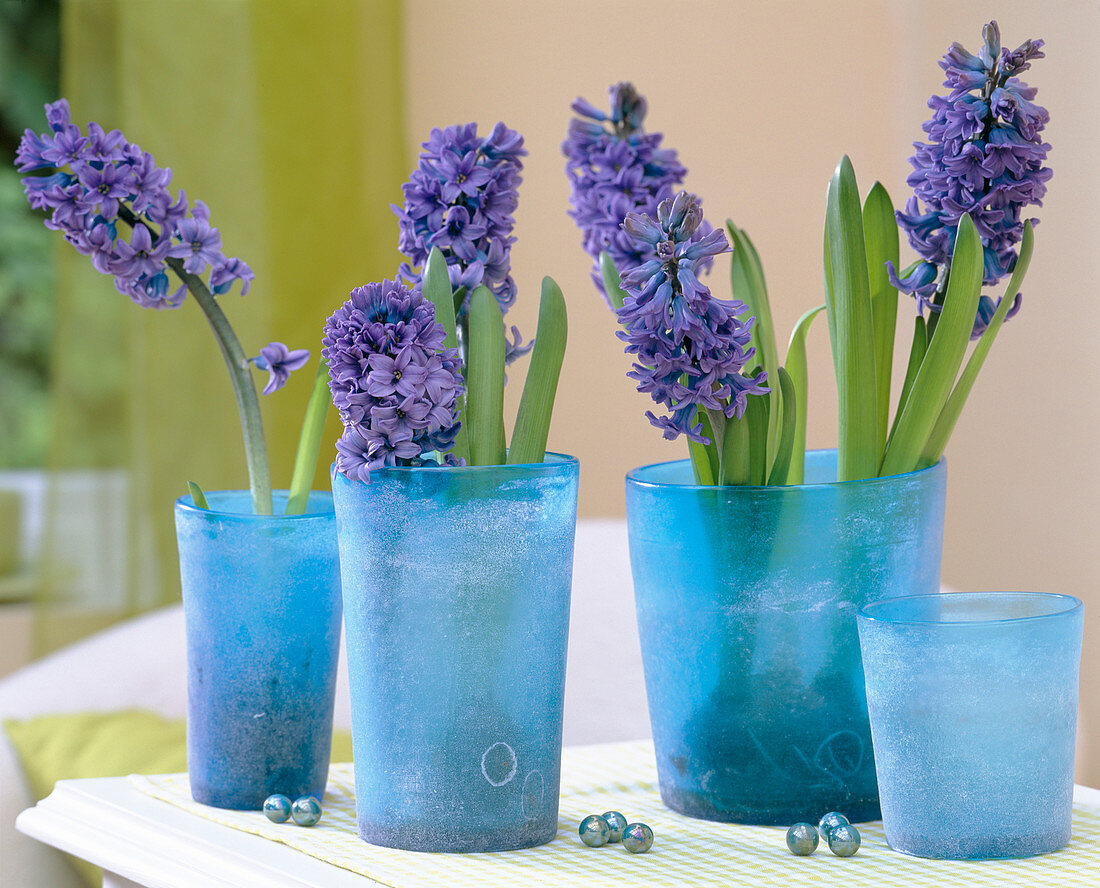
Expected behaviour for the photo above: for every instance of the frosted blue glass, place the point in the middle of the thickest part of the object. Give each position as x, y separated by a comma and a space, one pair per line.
746, 600
261, 603
973, 705
456, 598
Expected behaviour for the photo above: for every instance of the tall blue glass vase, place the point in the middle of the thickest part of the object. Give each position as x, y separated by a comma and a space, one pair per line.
261, 603
746, 601
456, 596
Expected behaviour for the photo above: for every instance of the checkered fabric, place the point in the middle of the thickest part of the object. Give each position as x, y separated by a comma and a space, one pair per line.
686, 852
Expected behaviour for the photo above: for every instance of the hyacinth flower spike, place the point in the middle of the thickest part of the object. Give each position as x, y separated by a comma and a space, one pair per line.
92, 183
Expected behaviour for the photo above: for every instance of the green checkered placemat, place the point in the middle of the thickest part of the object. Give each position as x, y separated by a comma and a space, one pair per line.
686, 852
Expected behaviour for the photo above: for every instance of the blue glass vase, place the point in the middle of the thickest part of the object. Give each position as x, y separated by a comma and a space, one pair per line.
261, 604
973, 705
746, 600
456, 598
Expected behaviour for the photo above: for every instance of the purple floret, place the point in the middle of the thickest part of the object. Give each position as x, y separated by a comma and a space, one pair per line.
394, 384
690, 346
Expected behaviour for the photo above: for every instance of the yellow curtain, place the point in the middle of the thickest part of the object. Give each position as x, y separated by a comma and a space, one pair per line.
285, 119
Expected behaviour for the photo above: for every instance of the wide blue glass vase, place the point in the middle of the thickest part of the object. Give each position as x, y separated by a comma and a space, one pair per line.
456, 589
746, 600
973, 704
261, 603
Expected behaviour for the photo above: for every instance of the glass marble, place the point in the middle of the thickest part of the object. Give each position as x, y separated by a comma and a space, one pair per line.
830, 821
595, 831
306, 811
843, 840
973, 704
637, 838
617, 823
277, 808
261, 606
802, 839
746, 598
456, 596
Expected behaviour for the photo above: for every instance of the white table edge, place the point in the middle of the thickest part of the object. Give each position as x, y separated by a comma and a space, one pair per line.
112, 824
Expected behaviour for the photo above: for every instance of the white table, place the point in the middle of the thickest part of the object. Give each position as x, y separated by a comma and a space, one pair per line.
141, 842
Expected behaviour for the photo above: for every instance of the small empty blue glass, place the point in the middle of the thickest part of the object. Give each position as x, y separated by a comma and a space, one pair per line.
261, 603
456, 596
973, 707
746, 601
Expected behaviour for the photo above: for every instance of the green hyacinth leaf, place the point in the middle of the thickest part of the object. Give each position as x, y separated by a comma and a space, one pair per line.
796, 370
944, 356
916, 355
197, 496
537, 403
309, 442
609, 274
756, 415
437, 290
735, 460
880, 235
704, 457
485, 381
747, 284
945, 425
785, 449
848, 305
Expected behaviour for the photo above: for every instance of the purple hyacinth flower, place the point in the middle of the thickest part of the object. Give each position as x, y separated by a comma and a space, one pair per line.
691, 347
279, 362
461, 198
223, 274
103, 189
615, 168
200, 245
984, 156
141, 257
393, 382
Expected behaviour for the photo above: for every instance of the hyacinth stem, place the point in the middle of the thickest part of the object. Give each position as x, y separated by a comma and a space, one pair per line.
785, 404
244, 388
610, 276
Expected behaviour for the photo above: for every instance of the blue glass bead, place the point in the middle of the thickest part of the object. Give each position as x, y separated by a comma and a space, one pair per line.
277, 808
844, 840
306, 811
617, 823
594, 831
830, 822
637, 838
802, 839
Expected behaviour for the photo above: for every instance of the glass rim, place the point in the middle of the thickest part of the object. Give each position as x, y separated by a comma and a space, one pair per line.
186, 505
560, 461
632, 477
867, 613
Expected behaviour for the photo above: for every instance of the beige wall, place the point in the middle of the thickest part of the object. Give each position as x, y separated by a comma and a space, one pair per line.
761, 100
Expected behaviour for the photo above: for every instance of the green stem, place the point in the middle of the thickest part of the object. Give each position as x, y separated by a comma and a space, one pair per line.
244, 389
309, 442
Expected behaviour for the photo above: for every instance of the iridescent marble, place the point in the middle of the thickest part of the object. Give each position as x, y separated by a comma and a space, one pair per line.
617, 822
594, 831
277, 808
830, 822
802, 839
843, 840
637, 838
306, 811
